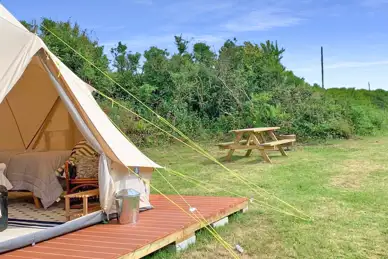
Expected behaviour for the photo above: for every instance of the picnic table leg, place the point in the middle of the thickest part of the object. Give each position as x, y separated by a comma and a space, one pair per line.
281, 149
236, 141
262, 137
261, 150
265, 155
249, 151
273, 137
229, 156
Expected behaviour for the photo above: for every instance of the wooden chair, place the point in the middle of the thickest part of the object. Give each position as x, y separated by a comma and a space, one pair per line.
77, 185
73, 184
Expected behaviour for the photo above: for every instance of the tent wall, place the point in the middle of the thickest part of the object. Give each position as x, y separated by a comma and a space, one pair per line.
34, 117
45, 106
40, 115
112, 176
60, 132
10, 138
19, 47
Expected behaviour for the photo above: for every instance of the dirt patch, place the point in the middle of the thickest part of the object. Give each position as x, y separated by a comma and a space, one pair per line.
354, 172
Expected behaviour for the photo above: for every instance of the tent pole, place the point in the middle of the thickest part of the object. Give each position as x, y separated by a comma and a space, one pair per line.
38, 135
16, 122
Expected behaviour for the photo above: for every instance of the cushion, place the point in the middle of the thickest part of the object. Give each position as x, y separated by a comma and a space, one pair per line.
78, 154
87, 167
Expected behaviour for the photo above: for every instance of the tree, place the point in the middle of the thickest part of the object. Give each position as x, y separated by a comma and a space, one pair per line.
79, 40
203, 54
200, 91
124, 60
181, 44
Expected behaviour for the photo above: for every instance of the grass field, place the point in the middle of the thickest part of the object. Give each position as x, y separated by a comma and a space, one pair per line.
341, 184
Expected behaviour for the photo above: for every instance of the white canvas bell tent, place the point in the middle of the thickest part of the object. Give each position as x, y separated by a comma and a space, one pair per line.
44, 106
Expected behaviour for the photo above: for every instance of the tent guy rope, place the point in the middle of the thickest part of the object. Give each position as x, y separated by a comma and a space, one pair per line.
239, 195
226, 245
197, 148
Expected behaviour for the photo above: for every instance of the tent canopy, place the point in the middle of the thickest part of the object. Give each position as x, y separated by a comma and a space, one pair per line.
34, 116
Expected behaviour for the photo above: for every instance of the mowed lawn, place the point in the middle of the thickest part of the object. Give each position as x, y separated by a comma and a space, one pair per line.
343, 185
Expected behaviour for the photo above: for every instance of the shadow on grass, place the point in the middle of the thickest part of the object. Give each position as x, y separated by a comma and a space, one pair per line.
223, 160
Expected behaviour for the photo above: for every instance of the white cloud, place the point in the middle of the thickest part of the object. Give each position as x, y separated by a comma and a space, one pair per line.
345, 64
141, 42
355, 64
261, 20
207, 38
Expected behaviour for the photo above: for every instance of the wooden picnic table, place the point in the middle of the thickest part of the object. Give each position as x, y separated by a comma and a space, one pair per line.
262, 139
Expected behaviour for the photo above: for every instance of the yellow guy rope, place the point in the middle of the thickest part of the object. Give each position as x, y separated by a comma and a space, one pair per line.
261, 202
169, 134
190, 207
197, 147
201, 185
211, 230
216, 235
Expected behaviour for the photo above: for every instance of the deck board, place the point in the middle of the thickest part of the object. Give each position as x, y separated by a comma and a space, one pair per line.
156, 228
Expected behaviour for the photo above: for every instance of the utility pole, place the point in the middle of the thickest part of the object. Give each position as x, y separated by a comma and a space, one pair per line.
369, 86
323, 76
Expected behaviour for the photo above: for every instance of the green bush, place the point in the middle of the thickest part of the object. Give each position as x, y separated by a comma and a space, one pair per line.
206, 93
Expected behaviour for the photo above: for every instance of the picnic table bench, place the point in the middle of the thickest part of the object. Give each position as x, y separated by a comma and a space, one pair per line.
256, 139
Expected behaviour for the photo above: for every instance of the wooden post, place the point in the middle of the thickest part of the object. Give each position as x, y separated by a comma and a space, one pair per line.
322, 72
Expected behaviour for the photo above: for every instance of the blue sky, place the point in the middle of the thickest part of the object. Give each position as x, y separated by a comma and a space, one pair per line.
354, 33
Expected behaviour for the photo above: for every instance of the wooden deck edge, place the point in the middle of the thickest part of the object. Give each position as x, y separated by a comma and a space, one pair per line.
182, 234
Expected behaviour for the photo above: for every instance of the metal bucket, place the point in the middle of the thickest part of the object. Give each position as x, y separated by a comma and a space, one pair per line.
127, 203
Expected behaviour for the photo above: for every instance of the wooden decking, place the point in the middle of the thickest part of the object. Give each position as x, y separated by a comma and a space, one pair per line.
157, 228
